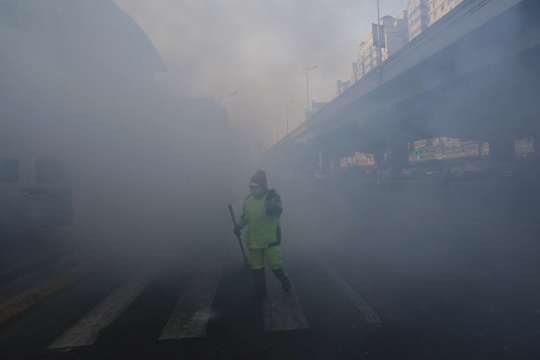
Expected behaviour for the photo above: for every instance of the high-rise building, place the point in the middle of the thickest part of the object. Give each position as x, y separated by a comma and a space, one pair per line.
354, 75
418, 17
315, 106
438, 8
369, 57
396, 34
384, 40
342, 86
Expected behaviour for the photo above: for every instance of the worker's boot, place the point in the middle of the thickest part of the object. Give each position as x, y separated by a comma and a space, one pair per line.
285, 282
259, 280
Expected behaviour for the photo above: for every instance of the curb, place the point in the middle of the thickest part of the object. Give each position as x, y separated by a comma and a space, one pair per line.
436, 185
13, 271
21, 302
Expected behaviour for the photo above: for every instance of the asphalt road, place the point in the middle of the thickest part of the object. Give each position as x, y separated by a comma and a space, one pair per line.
376, 275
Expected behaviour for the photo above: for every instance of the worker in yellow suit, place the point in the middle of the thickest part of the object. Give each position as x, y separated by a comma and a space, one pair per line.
261, 215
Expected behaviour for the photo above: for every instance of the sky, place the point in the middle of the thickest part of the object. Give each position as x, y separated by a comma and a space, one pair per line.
259, 49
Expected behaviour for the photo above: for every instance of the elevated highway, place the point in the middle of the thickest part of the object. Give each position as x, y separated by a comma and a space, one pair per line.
473, 75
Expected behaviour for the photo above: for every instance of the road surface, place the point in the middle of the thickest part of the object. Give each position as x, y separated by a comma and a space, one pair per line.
376, 275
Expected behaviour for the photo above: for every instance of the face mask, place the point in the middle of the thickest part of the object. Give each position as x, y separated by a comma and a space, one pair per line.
256, 191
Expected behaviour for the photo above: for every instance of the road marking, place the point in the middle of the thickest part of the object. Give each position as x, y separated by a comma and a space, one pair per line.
9, 271
190, 317
31, 297
282, 311
89, 328
368, 312
483, 220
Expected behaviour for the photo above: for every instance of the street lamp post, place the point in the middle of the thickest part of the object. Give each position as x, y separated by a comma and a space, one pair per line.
226, 96
287, 114
378, 15
277, 128
307, 86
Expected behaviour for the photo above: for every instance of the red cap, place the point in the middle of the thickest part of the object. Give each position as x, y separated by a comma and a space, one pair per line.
260, 178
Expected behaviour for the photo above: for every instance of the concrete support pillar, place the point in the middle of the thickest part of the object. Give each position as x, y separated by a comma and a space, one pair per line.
314, 160
325, 161
397, 154
379, 156
502, 147
534, 132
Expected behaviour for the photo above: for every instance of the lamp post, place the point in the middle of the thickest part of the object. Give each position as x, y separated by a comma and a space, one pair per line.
226, 96
307, 86
277, 128
378, 14
287, 114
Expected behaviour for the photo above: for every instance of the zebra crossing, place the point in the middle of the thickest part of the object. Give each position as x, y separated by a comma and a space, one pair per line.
282, 311
190, 317
88, 329
192, 313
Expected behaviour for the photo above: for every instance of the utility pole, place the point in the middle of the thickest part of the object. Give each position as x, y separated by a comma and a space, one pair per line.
287, 114
378, 15
307, 86
379, 43
277, 128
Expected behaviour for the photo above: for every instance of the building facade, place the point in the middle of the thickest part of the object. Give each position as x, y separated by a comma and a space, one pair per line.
445, 148
315, 106
439, 8
396, 35
354, 75
342, 86
359, 159
369, 57
392, 34
384, 40
418, 17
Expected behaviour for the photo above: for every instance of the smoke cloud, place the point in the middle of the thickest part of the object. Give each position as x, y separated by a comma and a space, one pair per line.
259, 49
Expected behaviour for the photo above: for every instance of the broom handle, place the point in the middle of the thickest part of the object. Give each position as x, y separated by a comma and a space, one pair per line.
239, 240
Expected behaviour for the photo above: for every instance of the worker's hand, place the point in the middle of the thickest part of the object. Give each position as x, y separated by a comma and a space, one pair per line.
270, 195
237, 230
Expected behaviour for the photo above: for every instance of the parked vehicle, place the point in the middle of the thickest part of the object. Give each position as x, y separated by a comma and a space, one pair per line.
457, 170
508, 170
321, 176
480, 168
434, 173
485, 168
422, 170
338, 173
35, 194
370, 173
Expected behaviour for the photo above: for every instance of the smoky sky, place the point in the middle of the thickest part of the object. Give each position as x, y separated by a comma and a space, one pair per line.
259, 49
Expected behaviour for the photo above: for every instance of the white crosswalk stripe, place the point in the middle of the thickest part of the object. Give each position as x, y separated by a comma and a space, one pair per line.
190, 317
89, 328
282, 311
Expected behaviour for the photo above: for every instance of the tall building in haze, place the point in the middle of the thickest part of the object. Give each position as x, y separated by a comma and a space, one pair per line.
438, 8
418, 17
